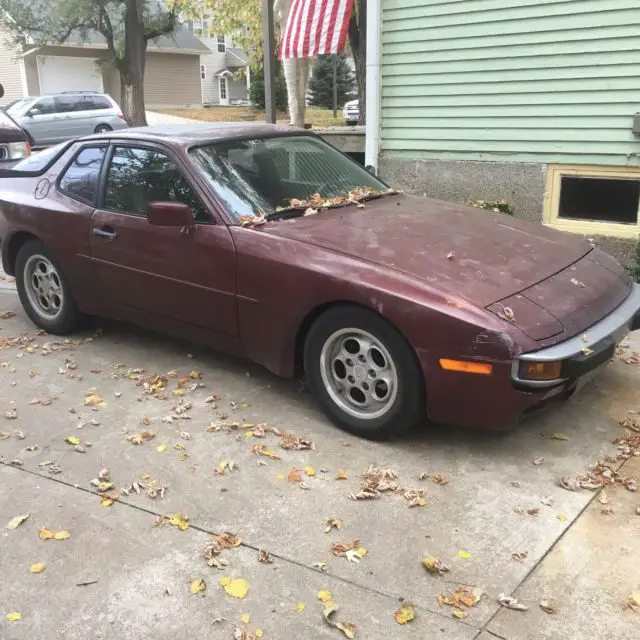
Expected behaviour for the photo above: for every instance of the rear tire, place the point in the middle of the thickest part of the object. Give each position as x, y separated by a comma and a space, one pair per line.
102, 128
44, 291
363, 373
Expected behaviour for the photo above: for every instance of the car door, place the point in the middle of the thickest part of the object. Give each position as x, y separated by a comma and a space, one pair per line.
185, 277
71, 116
43, 122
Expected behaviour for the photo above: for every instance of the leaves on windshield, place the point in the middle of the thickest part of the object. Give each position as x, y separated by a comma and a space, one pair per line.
316, 203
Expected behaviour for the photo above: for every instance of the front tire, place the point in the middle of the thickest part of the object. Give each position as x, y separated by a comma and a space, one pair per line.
363, 373
44, 291
102, 128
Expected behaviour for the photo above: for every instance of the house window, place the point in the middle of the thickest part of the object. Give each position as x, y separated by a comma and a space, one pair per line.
198, 27
203, 72
223, 88
594, 200
222, 44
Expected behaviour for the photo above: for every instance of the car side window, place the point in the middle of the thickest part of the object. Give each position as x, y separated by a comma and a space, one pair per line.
80, 180
67, 103
45, 106
138, 176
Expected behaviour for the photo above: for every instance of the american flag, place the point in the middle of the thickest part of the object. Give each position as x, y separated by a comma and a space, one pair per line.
314, 28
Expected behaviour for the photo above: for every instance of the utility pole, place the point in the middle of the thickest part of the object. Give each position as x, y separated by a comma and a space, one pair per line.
269, 62
335, 86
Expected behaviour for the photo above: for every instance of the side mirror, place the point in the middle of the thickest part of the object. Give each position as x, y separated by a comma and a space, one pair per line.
34, 112
170, 214
1, 90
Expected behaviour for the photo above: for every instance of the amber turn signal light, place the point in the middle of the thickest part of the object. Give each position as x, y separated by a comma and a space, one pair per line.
540, 370
480, 368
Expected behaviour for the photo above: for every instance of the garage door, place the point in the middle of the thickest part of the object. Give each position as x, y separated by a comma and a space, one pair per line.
62, 73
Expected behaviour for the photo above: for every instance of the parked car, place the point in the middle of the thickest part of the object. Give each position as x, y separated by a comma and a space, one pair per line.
394, 306
53, 118
351, 113
14, 142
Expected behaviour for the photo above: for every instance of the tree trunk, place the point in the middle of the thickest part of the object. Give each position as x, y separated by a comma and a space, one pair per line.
131, 66
358, 43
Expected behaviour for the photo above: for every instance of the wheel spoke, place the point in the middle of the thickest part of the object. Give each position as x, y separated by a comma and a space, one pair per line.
43, 286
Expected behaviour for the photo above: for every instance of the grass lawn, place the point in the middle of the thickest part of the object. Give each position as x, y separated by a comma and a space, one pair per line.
314, 115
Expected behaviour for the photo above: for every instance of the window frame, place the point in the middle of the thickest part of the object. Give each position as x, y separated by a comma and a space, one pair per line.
68, 164
550, 216
223, 43
106, 165
203, 72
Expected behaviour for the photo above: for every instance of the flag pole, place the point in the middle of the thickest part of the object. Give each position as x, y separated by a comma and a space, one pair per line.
269, 62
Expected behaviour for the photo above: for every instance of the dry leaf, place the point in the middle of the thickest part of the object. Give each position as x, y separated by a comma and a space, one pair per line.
603, 498
434, 565
459, 613
333, 523
294, 475
15, 522
323, 566
11, 414
264, 557
568, 483
405, 613
197, 586
310, 471
511, 603
300, 607
245, 617
179, 520
347, 628
464, 554
538, 461
560, 436
355, 555
161, 447
72, 440
340, 549
533, 511
438, 478
61, 535
237, 587
140, 438
195, 375
547, 501
547, 606
14, 616
561, 517
341, 475
461, 597
261, 450
634, 600
325, 596
94, 400
37, 568
519, 556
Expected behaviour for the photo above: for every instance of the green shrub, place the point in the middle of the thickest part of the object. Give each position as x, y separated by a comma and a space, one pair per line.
499, 206
256, 91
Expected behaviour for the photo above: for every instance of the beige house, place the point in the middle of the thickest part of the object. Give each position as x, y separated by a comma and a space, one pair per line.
172, 73
224, 71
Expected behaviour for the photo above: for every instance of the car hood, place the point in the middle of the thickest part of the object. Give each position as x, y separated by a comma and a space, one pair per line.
481, 256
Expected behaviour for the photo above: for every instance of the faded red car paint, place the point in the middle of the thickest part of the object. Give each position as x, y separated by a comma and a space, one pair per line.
440, 273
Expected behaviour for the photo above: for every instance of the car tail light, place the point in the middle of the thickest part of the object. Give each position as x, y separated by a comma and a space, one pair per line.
481, 368
18, 150
540, 370
121, 116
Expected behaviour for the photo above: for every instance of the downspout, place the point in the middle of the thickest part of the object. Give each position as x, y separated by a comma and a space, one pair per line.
372, 126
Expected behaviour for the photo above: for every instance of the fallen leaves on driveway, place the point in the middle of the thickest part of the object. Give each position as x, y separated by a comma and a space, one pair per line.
237, 587
92, 399
198, 586
560, 436
47, 534
179, 520
261, 450
434, 565
633, 601
329, 612
141, 438
217, 544
14, 616
264, 557
16, 521
547, 606
461, 598
405, 614
511, 603
333, 523
37, 568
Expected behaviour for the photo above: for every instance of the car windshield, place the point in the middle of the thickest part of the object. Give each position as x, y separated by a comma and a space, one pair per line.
273, 177
41, 160
18, 107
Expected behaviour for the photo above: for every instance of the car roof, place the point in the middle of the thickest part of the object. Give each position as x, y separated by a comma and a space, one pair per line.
198, 133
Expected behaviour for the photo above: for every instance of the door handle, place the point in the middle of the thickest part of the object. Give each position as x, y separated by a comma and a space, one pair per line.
105, 233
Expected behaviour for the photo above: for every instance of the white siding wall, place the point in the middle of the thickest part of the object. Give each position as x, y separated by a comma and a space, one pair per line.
10, 70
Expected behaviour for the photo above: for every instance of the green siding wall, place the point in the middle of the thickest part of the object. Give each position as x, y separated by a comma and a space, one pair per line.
522, 80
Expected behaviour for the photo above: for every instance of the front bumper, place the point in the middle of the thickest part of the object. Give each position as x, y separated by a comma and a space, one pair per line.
499, 401
588, 351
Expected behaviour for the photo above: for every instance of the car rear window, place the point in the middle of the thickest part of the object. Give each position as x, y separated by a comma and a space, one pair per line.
95, 102
40, 161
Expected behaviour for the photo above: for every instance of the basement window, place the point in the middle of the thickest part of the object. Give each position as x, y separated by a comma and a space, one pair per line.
594, 200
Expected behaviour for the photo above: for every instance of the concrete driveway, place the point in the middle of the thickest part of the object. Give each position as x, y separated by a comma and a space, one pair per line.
125, 571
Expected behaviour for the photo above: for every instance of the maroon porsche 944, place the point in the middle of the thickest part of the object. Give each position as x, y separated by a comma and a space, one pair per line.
267, 242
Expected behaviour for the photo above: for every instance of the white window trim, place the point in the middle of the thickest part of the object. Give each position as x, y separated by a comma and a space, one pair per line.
223, 78
223, 43
588, 227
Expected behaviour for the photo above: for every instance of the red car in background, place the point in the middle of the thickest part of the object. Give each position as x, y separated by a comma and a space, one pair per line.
267, 242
